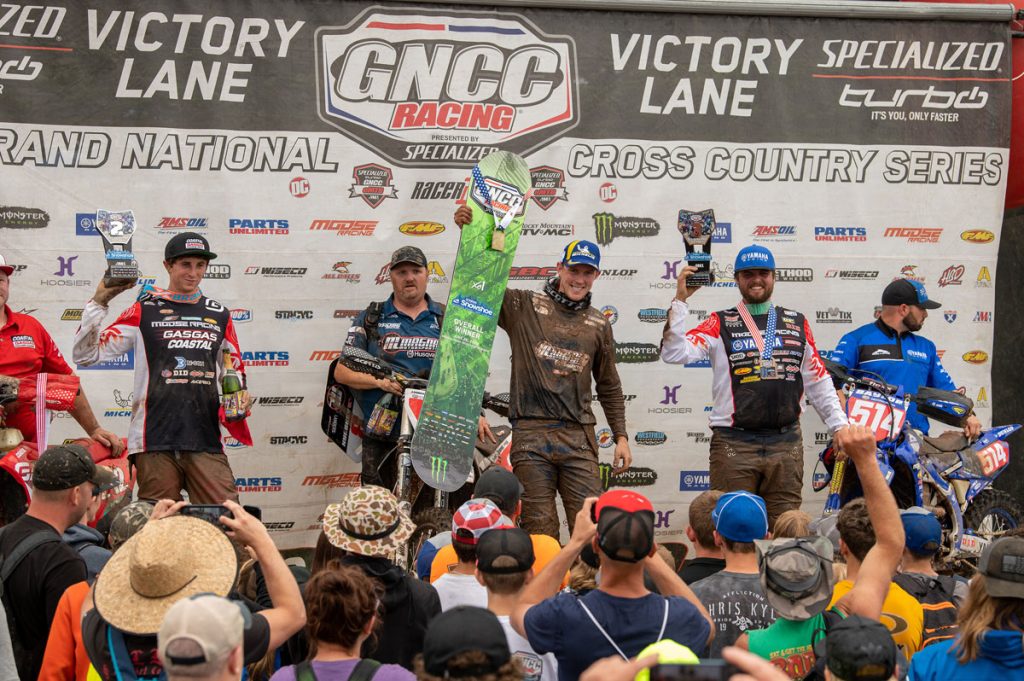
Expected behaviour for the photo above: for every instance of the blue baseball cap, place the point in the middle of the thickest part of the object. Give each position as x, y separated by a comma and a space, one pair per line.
924, 534
908, 292
754, 258
740, 516
582, 253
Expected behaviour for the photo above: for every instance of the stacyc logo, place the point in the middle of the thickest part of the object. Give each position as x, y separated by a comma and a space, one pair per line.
445, 88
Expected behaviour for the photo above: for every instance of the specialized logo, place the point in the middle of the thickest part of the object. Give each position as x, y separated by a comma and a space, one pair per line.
339, 270
634, 476
952, 276
548, 186
854, 275
182, 223
914, 235
438, 468
975, 357
653, 315
16, 217
610, 313
949, 315
607, 227
650, 437
372, 184
840, 234
421, 228
977, 236
636, 353
794, 274
445, 88
834, 315
345, 227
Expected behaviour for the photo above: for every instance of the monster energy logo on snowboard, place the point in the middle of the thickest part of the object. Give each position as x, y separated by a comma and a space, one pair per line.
607, 227
442, 447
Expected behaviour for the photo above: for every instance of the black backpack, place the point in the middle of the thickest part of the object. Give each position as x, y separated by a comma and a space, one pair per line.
364, 671
935, 594
10, 563
338, 398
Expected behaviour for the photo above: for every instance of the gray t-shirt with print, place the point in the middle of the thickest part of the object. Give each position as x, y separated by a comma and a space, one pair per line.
736, 603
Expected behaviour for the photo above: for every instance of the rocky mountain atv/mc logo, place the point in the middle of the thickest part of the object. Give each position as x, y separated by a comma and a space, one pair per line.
445, 88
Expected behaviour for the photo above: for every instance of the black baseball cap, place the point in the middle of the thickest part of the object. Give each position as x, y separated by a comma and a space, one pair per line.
188, 243
461, 629
65, 466
625, 525
504, 542
858, 649
407, 254
501, 486
1002, 563
908, 292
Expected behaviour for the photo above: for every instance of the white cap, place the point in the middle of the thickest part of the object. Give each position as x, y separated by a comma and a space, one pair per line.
198, 634
4, 267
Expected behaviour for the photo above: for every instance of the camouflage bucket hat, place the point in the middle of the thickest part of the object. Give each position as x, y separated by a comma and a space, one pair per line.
368, 522
128, 521
796, 575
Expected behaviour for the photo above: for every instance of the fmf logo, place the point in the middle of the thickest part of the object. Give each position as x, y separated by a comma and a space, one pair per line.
978, 236
421, 228
393, 79
975, 357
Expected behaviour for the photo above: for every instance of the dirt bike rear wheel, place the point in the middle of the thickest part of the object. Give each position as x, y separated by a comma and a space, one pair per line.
429, 522
992, 513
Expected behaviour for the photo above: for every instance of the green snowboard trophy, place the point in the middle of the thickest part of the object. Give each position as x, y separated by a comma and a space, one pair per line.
442, 446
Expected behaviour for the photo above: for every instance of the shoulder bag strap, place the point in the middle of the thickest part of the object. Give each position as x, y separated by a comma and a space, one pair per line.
603, 632
364, 671
304, 671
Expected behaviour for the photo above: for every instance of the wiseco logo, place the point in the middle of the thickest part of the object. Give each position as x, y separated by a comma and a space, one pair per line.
975, 357
394, 78
324, 355
977, 236
421, 228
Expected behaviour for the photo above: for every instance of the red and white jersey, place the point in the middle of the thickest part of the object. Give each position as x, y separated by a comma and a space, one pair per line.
742, 397
178, 364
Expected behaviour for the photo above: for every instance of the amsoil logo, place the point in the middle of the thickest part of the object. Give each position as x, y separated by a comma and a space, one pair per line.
952, 276
774, 232
421, 228
444, 89
183, 223
548, 186
914, 235
372, 184
608, 227
977, 236
345, 227
531, 272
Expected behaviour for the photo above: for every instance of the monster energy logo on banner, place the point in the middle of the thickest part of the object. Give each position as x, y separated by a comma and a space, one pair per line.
631, 477
607, 227
438, 468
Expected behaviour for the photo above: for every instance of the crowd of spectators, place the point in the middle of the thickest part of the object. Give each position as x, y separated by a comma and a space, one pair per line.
165, 595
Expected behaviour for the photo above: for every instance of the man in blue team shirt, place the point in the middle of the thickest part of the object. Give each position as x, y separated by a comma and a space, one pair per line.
403, 331
890, 348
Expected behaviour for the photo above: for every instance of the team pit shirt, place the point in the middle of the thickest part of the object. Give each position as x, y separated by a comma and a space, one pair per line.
178, 363
742, 399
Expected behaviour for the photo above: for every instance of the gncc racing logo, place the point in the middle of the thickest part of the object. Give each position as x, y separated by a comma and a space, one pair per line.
548, 186
444, 89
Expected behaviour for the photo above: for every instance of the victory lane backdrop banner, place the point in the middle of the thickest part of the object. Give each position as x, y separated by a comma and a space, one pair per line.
308, 140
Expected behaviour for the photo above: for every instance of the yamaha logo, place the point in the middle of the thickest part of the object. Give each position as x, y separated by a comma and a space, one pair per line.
443, 89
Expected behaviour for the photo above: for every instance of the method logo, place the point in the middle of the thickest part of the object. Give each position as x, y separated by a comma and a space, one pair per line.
694, 481
607, 227
444, 88
548, 186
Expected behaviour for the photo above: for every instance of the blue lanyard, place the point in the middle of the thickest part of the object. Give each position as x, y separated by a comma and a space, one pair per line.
124, 670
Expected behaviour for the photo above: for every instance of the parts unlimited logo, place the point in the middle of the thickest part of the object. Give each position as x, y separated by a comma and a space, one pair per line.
445, 88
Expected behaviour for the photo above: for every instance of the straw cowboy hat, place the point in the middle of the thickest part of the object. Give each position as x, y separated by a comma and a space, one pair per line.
368, 522
167, 560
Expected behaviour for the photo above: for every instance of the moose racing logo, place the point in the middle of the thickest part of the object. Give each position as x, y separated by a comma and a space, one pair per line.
444, 89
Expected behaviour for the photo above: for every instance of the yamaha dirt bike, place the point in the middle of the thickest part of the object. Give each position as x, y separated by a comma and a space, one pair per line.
49, 392
431, 516
948, 474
